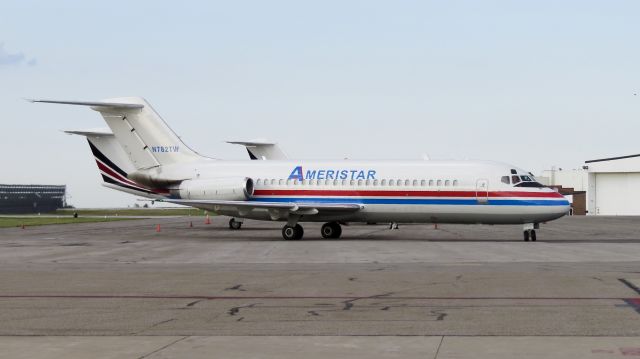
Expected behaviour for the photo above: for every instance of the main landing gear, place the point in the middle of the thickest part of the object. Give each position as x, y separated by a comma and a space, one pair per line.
530, 232
235, 224
292, 232
331, 230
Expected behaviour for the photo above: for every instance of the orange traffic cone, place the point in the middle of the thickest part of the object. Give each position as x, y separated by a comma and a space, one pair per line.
208, 221
157, 228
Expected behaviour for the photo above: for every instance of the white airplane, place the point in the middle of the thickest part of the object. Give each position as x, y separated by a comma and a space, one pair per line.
143, 156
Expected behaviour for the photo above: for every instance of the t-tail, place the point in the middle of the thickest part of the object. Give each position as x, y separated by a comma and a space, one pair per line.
139, 144
144, 136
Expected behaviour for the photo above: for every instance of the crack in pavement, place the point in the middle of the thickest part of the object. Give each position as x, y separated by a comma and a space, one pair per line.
348, 304
235, 310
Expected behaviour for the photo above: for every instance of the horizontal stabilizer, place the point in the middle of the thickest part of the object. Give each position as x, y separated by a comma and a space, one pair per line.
93, 104
90, 132
262, 149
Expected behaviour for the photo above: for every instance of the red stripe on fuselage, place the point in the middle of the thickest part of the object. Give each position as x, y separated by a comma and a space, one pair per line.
346, 193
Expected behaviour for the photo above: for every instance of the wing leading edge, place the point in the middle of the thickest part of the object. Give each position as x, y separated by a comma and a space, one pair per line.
291, 207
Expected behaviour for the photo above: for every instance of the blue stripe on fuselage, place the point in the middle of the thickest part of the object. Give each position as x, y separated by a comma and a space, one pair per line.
464, 202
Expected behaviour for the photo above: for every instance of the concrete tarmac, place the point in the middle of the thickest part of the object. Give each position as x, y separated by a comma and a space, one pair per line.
124, 290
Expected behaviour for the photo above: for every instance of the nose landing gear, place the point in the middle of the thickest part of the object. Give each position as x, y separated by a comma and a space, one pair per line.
530, 232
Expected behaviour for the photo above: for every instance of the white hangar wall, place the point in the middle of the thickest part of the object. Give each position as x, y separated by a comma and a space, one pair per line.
614, 186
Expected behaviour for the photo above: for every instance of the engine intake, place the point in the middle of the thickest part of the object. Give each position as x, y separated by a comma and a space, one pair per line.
228, 189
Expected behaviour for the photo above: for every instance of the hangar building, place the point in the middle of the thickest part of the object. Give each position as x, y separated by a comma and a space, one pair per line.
15, 198
614, 186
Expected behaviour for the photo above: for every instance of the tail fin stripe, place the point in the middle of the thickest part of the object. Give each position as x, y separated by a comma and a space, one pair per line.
108, 179
99, 155
115, 175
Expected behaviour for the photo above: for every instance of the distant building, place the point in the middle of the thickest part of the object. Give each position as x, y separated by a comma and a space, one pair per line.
571, 183
611, 185
575, 178
16, 198
614, 186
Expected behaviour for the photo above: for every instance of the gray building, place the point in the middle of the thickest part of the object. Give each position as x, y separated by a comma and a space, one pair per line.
17, 198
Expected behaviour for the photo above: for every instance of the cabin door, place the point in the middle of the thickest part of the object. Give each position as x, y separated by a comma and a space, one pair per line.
482, 191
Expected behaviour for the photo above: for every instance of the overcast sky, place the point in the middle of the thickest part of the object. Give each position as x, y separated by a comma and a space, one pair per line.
532, 83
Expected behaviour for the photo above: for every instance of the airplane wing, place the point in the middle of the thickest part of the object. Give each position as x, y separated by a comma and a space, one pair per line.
290, 207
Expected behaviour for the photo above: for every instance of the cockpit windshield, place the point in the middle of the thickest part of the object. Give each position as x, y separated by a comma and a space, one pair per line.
524, 180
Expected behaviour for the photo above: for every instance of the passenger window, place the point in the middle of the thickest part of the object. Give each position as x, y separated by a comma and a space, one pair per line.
447, 183
344, 182
375, 182
326, 182
439, 183
430, 183
455, 183
335, 182
352, 182
406, 182
368, 183
312, 182
280, 182
415, 183
423, 183
360, 182
295, 181
399, 182
391, 182
258, 181
288, 182
505, 179
383, 182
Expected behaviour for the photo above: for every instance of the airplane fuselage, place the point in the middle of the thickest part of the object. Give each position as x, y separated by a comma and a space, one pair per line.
390, 191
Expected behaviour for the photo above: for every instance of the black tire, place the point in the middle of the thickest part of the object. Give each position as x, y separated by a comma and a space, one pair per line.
331, 230
299, 231
292, 232
289, 232
526, 236
327, 231
533, 235
233, 224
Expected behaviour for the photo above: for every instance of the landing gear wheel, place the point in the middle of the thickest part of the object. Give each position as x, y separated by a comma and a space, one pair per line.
331, 230
526, 236
233, 224
533, 235
292, 232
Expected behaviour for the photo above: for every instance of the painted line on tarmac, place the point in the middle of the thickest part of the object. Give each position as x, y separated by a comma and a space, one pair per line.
378, 297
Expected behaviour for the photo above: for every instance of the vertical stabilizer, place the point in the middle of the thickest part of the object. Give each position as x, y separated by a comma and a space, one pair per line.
144, 136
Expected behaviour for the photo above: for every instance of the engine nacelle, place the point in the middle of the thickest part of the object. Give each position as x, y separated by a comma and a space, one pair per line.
226, 188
